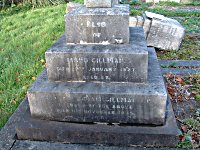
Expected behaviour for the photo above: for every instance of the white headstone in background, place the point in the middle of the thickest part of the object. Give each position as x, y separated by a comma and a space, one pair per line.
98, 3
160, 31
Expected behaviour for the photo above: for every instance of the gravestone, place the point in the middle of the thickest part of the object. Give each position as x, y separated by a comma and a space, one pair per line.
160, 31
89, 84
98, 3
166, 34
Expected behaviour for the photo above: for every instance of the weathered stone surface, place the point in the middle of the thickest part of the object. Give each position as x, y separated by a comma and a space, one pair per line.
72, 6
116, 63
146, 25
8, 136
32, 145
140, 21
151, 15
42, 130
8, 132
99, 25
160, 31
98, 3
165, 34
115, 2
132, 21
142, 103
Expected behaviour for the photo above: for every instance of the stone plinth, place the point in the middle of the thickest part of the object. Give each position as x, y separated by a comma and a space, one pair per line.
124, 135
110, 63
140, 103
99, 26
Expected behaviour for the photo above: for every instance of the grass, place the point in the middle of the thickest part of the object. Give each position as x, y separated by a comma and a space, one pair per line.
158, 9
25, 36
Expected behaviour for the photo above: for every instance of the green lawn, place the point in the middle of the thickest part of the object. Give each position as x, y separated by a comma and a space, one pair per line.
25, 36
27, 33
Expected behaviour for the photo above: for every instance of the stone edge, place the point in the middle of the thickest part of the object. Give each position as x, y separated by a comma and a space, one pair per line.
77, 132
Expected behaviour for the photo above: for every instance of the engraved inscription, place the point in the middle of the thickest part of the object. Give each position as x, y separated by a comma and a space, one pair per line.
96, 34
91, 24
96, 68
101, 106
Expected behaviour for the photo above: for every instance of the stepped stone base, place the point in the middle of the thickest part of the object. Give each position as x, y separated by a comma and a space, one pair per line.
101, 102
107, 63
42, 130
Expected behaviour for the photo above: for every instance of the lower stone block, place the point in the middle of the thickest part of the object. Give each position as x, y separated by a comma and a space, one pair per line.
121, 134
140, 103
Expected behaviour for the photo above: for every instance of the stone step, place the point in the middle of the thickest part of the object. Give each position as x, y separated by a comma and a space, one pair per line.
140, 103
108, 63
100, 25
29, 128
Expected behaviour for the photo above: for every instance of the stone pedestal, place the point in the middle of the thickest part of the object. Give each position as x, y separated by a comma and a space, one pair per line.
108, 63
114, 79
98, 26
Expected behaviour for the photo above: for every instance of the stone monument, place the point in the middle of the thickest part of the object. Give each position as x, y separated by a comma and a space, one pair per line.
160, 31
102, 85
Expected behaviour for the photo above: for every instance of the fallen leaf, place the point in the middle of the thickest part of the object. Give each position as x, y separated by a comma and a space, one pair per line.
181, 137
169, 75
17, 79
42, 60
184, 128
179, 79
14, 102
195, 92
33, 78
